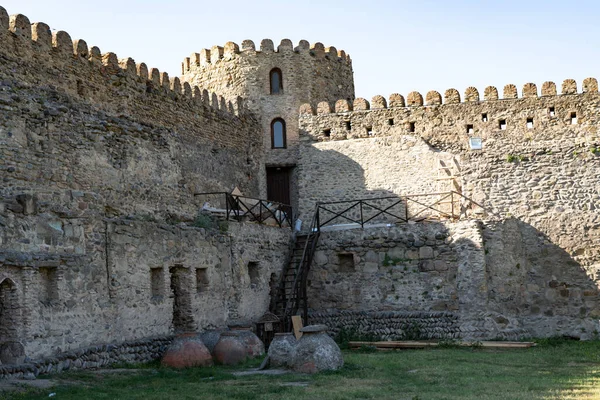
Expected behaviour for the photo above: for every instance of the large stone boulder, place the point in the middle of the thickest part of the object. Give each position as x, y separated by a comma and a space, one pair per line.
316, 351
12, 353
186, 351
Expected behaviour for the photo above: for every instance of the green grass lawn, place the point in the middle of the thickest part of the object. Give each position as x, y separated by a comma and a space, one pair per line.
553, 370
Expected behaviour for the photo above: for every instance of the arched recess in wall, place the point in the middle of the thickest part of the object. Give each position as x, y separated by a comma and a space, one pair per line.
9, 311
276, 79
278, 136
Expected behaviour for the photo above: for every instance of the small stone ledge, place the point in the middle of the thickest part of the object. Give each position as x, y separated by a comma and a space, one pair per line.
24, 259
101, 356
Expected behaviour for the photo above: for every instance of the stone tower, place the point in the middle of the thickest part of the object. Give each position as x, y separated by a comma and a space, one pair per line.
274, 83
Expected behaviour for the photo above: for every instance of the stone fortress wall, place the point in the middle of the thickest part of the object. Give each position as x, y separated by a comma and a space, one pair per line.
100, 159
536, 176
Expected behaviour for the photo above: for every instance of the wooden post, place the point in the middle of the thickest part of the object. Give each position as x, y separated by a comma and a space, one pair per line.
297, 324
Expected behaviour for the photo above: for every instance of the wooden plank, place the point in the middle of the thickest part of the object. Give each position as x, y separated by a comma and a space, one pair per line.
297, 324
507, 345
411, 344
395, 345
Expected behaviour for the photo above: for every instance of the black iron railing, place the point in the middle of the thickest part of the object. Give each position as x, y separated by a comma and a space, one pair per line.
447, 205
243, 208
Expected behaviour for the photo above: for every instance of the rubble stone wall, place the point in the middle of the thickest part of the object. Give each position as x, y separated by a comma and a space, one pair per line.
102, 356
100, 159
500, 278
389, 166
117, 284
390, 325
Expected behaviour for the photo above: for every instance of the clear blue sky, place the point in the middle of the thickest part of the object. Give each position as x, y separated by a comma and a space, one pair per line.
396, 46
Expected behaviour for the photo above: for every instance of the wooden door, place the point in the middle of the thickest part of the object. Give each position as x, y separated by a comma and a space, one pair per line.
278, 184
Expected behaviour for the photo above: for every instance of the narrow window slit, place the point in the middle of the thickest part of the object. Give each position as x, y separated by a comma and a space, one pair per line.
529, 123
276, 81
254, 273
573, 118
278, 134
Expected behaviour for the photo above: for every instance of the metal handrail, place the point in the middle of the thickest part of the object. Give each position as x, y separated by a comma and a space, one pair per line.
301, 275
397, 200
237, 207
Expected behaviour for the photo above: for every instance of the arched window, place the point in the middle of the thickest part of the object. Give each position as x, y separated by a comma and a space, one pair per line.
278, 134
276, 80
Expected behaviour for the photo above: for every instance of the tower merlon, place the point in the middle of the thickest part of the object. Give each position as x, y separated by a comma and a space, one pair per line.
231, 50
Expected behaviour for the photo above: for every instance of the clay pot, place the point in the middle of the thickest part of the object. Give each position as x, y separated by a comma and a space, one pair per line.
282, 350
316, 351
210, 339
254, 346
187, 350
230, 349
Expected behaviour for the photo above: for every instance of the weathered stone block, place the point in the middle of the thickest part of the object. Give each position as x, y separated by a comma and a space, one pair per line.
440, 265
426, 266
425, 252
370, 267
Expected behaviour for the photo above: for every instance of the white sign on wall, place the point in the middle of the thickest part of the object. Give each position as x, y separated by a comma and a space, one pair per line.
475, 143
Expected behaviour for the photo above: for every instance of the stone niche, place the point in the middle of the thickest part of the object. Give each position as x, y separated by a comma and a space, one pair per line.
11, 350
10, 311
183, 316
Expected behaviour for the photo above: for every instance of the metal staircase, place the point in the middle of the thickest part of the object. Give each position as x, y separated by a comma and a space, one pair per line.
291, 297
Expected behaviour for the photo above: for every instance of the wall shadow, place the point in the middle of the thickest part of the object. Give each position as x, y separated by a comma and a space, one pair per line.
504, 278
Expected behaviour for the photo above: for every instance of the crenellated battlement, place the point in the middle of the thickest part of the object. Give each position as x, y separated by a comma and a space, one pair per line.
452, 96
57, 48
230, 50
449, 121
